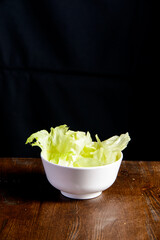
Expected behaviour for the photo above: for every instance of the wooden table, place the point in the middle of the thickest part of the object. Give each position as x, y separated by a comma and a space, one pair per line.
30, 208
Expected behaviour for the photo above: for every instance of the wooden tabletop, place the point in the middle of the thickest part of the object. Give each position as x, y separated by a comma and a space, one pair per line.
30, 208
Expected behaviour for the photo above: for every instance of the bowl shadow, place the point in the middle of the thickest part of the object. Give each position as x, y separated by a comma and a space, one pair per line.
28, 186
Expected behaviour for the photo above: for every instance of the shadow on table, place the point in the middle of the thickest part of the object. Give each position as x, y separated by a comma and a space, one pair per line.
28, 186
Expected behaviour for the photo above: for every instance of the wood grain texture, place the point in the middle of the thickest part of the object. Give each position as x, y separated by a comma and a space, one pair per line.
30, 208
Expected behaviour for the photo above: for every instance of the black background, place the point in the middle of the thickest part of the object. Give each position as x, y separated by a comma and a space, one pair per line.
87, 64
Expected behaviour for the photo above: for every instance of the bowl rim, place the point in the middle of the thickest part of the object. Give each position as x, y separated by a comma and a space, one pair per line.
83, 168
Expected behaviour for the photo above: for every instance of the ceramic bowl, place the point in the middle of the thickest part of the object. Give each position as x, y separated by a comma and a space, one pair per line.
81, 182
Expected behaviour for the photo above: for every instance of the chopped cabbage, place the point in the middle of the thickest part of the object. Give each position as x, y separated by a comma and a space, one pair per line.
76, 148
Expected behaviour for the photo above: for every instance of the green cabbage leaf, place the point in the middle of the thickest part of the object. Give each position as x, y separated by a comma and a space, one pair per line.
76, 148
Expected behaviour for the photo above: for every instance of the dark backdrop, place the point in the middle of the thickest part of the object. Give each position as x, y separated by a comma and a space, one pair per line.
87, 64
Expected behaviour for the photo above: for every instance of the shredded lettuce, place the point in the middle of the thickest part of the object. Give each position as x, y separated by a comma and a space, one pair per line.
76, 148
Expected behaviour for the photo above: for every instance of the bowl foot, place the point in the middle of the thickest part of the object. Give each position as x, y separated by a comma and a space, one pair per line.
81, 196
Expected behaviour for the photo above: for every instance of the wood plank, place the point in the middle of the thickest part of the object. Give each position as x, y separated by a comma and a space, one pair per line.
30, 208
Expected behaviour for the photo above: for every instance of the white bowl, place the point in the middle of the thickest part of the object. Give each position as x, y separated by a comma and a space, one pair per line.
81, 182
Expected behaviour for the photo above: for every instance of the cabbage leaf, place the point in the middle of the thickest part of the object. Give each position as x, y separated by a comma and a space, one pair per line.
76, 148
